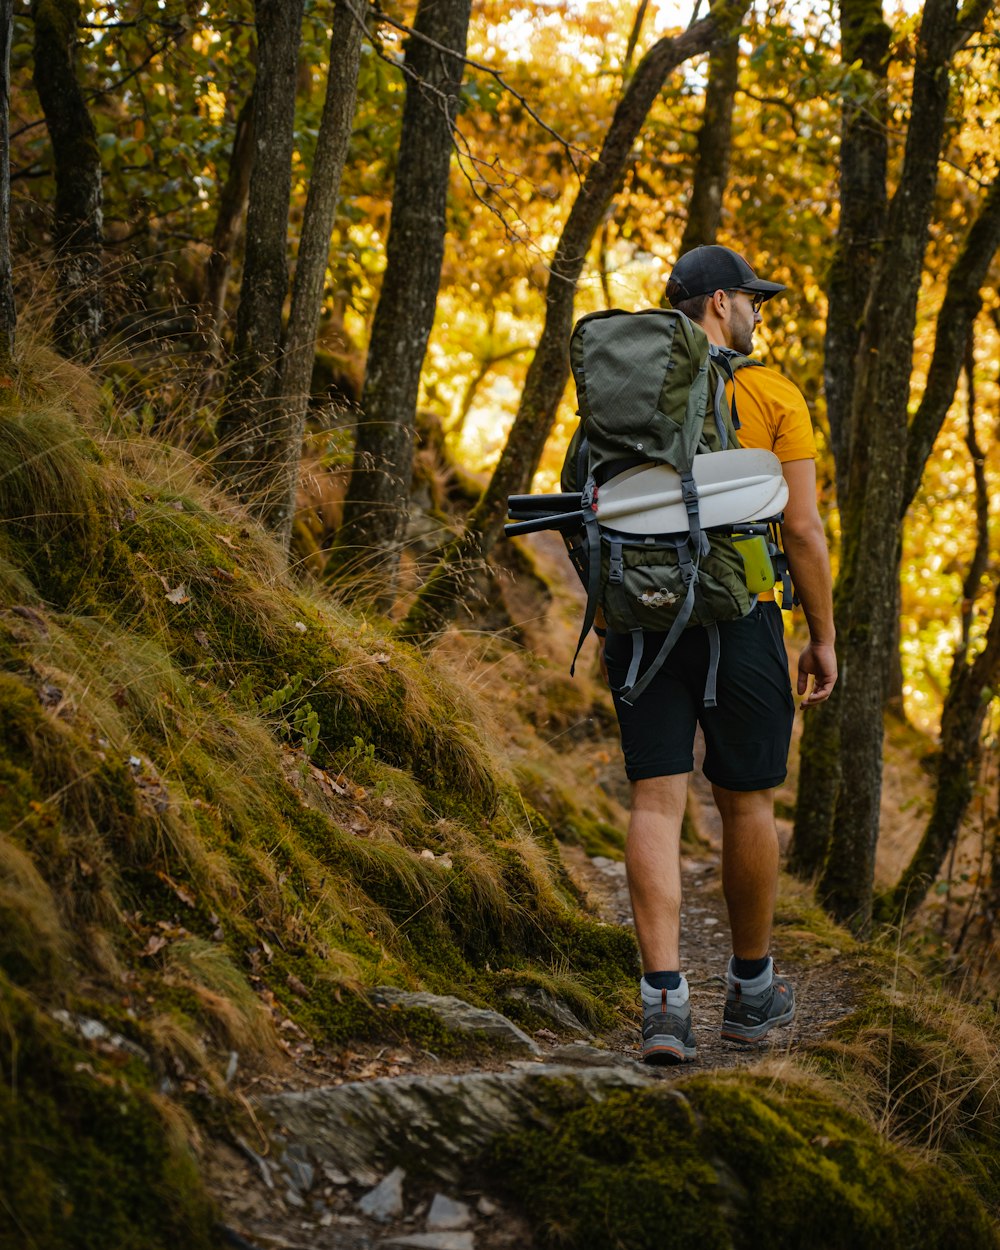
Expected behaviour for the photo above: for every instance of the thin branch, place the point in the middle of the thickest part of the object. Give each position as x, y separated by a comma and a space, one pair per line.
384, 19
26, 127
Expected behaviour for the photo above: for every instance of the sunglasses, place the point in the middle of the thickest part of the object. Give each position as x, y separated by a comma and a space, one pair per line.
756, 298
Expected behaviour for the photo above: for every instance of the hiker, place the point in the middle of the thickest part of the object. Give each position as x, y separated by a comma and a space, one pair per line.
747, 734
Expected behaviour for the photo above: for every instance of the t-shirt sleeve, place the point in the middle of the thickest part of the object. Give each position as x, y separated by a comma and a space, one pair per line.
777, 416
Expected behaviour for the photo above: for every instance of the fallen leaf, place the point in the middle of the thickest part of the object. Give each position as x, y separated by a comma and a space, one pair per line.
178, 595
296, 986
228, 541
179, 890
221, 575
154, 945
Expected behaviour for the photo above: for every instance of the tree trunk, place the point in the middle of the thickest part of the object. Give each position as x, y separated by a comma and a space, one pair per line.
248, 457
711, 171
228, 225
78, 229
863, 207
8, 313
820, 758
871, 511
965, 704
549, 369
959, 309
957, 769
860, 234
376, 509
314, 253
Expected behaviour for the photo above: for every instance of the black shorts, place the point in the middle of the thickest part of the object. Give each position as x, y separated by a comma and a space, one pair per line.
746, 735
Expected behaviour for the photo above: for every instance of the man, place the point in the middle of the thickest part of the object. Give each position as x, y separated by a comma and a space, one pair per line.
748, 733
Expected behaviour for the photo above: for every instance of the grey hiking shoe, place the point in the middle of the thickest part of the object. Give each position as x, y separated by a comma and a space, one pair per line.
747, 1016
666, 1029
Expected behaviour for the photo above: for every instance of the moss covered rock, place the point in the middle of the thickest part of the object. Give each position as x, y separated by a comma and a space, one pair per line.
732, 1162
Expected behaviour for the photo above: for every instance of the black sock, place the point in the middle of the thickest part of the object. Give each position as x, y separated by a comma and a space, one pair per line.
748, 969
663, 980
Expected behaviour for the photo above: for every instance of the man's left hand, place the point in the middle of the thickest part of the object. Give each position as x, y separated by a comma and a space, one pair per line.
820, 662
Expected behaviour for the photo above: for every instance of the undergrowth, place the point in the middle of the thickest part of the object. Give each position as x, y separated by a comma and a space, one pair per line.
228, 805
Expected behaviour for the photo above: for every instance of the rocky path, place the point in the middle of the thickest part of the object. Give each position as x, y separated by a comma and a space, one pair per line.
334, 1174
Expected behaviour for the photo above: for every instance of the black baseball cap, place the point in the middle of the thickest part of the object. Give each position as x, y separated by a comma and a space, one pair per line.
714, 268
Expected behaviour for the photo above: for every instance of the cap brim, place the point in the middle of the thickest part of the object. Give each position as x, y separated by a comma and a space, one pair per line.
767, 289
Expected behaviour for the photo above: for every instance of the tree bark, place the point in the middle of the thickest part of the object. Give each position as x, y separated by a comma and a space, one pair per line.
860, 235
962, 718
228, 226
863, 207
8, 312
965, 704
314, 252
248, 453
715, 138
865, 598
959, 309
376, 509
79, 213
436, 603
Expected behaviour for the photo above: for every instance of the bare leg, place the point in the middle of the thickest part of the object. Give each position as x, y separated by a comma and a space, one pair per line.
749, 867
653, 863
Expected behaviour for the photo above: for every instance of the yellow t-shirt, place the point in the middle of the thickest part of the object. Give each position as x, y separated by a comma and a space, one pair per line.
773, 414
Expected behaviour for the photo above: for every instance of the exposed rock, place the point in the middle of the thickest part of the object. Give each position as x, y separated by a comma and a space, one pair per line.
433, 1241
298, 1169
446, 1213
385, 1201
590, 1057
546, 1004
443, 1122
458, 1016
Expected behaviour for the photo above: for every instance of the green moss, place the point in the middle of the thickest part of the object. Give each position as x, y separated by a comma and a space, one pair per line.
716, 1162
85, 1159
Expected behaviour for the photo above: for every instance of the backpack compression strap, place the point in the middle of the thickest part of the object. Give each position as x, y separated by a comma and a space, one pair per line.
592, 543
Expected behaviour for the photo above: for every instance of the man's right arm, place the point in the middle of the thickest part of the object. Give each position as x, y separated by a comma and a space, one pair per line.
804, 541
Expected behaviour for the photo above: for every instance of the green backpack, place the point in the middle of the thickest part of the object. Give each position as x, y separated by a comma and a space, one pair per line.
651, 388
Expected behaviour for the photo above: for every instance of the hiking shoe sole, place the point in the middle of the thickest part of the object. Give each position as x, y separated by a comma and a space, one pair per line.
665, 1049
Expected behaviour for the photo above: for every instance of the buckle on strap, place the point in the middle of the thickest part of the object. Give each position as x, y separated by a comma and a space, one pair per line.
616, 565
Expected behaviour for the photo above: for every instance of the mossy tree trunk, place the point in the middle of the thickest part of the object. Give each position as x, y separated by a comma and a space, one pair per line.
249, 455
875, 498
314, 252
860, 235
438, 599
228, 227
715, 138
79, 207
376, 508
8, 312
876, 451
